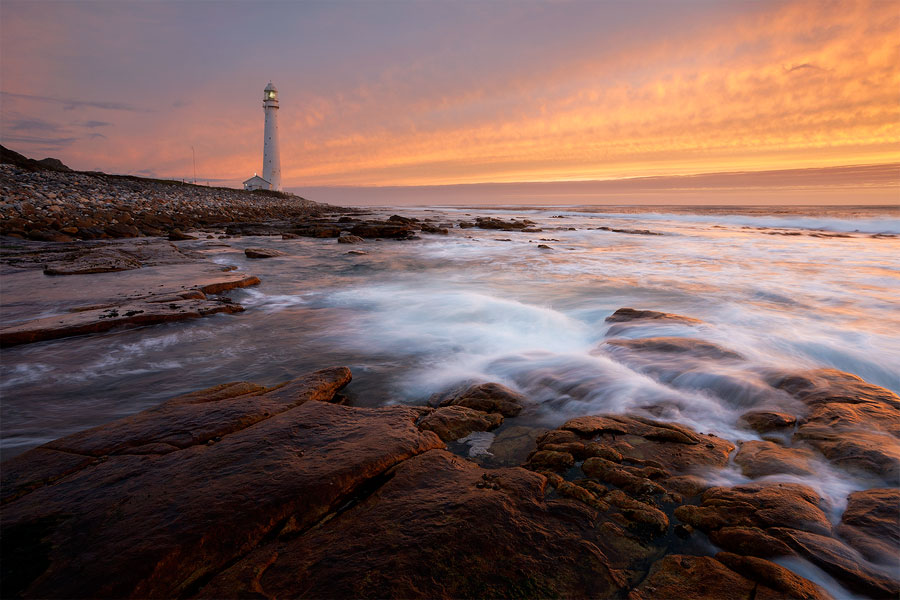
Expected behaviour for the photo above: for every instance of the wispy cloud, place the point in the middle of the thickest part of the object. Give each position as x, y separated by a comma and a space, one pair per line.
93, 124
73, 104
29, 124
801, 67
43, 143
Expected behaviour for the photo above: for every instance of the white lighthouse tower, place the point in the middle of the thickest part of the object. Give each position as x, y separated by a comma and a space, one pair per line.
271, 153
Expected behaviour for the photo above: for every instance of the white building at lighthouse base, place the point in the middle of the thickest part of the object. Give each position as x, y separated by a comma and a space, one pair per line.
257, 183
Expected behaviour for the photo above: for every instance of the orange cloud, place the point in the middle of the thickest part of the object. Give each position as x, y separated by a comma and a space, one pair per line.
808, 84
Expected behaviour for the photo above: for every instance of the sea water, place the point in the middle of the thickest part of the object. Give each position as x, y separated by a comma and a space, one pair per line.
787, 289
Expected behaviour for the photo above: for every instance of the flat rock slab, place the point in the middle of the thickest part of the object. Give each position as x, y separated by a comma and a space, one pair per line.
85, 257
102, 301
160, 525
136, 314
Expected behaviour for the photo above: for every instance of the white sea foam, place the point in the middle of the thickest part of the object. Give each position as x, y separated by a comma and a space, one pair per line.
884, 224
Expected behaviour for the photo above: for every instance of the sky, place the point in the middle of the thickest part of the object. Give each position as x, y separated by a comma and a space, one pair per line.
416, 94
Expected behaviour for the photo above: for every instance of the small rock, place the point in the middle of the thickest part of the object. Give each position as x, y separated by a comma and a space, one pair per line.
350, 239
177, 235
262, 253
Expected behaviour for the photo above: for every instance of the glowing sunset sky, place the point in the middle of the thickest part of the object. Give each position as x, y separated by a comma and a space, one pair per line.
422, 93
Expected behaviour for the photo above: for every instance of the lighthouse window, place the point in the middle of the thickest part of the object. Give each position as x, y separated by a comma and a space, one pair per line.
270, 95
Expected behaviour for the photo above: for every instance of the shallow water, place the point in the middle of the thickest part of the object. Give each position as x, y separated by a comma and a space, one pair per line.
414, 318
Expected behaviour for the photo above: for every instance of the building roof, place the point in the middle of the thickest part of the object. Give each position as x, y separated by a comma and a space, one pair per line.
257, 177
270, 88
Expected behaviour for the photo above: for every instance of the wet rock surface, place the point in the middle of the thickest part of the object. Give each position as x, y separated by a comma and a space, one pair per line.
780, 519
680, 576
758, 459
853, 423
243, 490
434, 530
454, 422
290, 494
82, 258
676, 345
623, 315
871, 524
765, 421
133, 314
262, 253
199, 507
169, 285
488, 397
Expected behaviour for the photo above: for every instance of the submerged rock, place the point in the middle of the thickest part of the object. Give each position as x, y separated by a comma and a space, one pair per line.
79, 258
676, 345
101, 260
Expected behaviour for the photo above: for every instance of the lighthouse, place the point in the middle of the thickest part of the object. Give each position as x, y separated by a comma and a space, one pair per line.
271, 154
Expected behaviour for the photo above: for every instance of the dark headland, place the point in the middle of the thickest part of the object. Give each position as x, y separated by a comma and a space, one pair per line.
251, 491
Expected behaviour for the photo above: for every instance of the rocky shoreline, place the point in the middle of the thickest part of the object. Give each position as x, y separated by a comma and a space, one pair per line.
246, 491
57, 204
